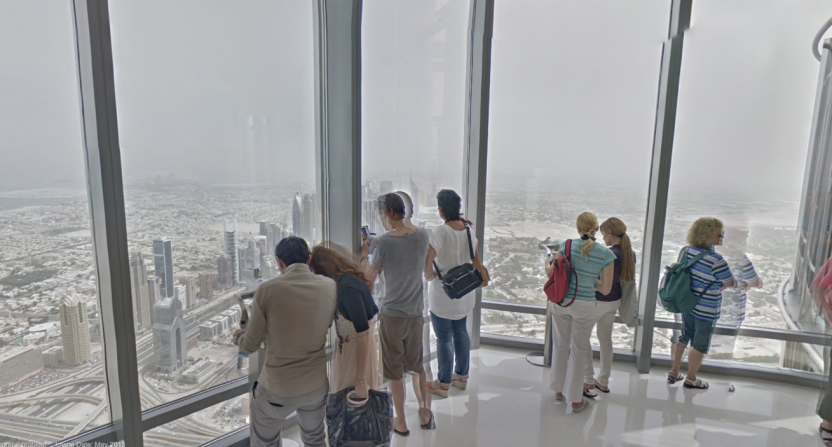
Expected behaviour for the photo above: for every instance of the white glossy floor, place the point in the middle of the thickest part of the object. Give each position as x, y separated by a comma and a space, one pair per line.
508, 403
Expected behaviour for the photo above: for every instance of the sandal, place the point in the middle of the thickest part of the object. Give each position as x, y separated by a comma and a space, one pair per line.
584, 406
673, 377
559, 398
827, 440
431, 425
589, 394
696, 384
459, 383
437, 388
601, 388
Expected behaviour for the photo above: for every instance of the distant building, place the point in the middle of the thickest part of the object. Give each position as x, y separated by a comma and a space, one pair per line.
182, 294
230, 239
170, 335
297, 216
141, 296
163, 261
385, 187
414, 197
206, 285
154, 294
225, 274
53, 356
309, 218
18, 363
198, 371
231, 316
75, 330
190, 290
47, 329
209, 330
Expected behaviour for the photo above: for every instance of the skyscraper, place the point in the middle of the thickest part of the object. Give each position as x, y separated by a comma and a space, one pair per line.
385, 186
225, 276
170, 335
154, 294
163, 260
75, 330
141, 296
181, 292
190, 290
297, 216
230, 238
309, 218
206, 285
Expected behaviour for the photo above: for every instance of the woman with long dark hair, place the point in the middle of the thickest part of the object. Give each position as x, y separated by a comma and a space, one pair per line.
615, 237
354, 361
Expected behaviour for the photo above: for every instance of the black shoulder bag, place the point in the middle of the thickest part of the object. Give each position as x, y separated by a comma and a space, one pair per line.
461, 280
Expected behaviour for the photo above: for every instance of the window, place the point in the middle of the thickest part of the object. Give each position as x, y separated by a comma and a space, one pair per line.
216, 122
52, 381
413, 102
742, 133
204, 425
570, 130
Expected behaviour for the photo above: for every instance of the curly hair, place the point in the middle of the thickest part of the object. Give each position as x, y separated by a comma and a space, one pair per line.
703, 230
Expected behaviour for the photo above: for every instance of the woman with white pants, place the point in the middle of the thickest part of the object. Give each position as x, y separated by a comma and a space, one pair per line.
593, 264
615, 236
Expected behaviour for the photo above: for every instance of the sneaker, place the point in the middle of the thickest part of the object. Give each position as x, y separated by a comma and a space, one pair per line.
459, 383
437, 388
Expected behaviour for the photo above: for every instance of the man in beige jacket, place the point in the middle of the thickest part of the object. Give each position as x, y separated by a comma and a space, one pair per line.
292, 315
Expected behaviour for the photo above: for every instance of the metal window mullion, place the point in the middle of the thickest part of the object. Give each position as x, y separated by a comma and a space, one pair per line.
668, 95
109, 229
475, 162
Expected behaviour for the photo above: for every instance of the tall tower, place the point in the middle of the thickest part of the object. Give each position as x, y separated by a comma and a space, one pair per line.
414, 197
170, 335
297, 216
190, 291
206, 285
163, 260
386, 186
230, 238
75, 330
308, 218
141, 299
225, 276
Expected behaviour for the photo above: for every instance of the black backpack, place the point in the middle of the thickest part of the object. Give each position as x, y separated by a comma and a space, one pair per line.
461, 280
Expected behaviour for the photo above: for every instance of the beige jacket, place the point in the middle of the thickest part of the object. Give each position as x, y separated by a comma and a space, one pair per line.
292, 314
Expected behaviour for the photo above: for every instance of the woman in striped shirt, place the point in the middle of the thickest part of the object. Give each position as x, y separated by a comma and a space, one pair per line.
709, 276
593, 264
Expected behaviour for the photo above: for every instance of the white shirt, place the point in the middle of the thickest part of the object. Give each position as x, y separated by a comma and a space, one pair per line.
451, 248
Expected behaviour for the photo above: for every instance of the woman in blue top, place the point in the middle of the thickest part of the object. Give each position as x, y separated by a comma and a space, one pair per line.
709, 276
593, 264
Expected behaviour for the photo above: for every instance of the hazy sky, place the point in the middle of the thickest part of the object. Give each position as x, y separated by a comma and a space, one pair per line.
571, 81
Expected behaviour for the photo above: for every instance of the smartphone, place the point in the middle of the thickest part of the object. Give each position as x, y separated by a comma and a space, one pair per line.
365, 232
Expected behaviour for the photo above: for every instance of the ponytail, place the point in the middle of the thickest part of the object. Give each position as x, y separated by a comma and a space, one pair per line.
628, 265
588, 225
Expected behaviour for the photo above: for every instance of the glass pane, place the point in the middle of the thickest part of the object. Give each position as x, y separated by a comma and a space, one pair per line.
563, 112
623, 337
202, 426
744, 122
50, 330
413, 102
218, 151
514, 324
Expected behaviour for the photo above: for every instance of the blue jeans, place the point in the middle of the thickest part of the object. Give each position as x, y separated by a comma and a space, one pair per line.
451, 340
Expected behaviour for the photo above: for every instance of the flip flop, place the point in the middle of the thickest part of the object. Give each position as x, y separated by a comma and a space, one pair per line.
601, 389
403, 434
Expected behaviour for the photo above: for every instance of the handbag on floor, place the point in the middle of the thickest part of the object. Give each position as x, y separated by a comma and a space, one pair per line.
628, 308
359, 423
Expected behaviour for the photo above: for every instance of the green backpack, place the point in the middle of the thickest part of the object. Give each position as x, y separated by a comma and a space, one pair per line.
675, 293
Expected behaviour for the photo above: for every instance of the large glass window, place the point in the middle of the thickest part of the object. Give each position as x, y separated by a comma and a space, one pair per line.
413, 102
202, 426
216, 122
570, 130
52, 381
744, 116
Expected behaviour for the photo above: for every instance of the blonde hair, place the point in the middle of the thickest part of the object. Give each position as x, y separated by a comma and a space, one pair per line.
628, 266
587, 226
703, 230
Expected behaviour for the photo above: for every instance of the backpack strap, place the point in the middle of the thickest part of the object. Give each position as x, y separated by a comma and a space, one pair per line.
567, 257
436, 267
470, 244
696, 259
